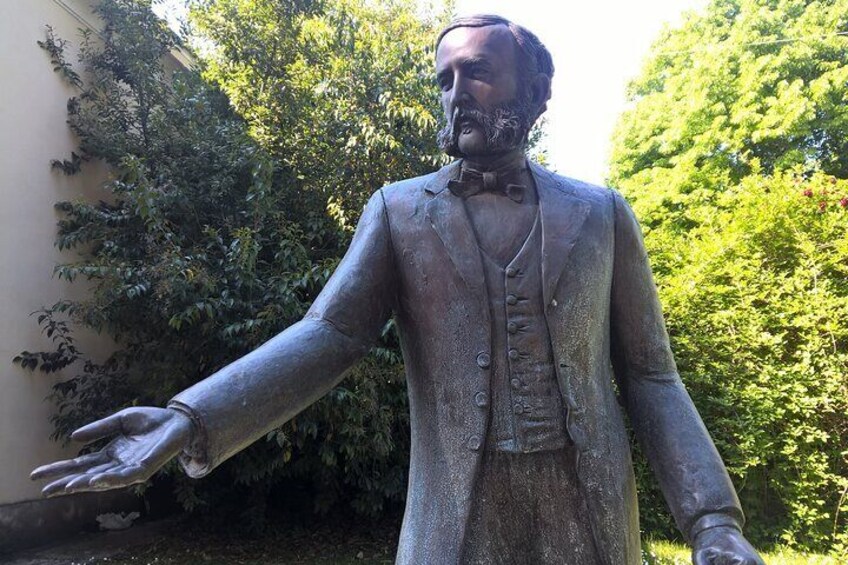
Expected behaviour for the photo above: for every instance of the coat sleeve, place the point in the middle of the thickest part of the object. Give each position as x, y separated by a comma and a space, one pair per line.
265, 388
672, 435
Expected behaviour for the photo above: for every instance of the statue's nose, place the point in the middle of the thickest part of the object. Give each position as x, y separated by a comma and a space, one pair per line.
459, 100
460, 96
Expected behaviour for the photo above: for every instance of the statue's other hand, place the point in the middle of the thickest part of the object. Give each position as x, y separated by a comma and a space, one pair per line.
724, 546
145, 439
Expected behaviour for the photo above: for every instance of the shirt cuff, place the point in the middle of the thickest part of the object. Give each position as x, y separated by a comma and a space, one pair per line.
714, 520
194, 458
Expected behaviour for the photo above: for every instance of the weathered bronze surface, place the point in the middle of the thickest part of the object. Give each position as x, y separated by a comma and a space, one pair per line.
528, 318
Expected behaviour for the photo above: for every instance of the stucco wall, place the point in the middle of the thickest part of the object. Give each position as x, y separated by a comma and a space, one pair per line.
32, 132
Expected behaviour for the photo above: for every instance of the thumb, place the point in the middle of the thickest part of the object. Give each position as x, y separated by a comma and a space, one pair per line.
702, 557
101, 428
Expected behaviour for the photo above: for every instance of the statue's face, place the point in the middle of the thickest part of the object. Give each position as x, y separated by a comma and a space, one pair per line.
476, 71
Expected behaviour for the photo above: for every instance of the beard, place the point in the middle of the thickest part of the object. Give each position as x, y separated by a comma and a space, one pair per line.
505, 127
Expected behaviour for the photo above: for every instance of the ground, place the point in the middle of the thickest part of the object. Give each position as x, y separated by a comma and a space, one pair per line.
181, 542
178, 541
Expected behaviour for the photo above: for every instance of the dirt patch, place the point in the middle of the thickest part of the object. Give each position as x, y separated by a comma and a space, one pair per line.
180, 541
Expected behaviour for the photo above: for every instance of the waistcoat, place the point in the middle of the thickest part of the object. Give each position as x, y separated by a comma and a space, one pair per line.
527, 413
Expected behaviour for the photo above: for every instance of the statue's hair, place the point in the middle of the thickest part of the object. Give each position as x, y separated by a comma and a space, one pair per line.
537, 56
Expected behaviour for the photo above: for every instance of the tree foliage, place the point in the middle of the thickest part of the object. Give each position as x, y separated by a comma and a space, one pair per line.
750, 85
338, 91
734, 154
217, 230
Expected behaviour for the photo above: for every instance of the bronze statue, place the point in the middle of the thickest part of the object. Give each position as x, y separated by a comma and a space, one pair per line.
528, 316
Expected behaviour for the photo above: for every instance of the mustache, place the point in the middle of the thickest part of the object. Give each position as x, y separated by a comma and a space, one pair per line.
467, 111
504, 127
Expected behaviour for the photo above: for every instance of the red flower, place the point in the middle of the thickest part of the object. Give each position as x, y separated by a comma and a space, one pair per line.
844, 202
808, 193
822, 205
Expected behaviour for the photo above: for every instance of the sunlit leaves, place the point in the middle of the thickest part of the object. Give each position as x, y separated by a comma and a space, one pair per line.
734, 154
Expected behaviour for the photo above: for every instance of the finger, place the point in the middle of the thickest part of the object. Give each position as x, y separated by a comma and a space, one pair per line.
68, 466
57, 487
123, 477
82, 481
109, 425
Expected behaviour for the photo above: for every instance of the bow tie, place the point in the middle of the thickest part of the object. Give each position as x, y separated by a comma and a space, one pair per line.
500, 181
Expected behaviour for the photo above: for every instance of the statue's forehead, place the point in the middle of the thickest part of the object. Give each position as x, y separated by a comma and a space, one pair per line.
494, 42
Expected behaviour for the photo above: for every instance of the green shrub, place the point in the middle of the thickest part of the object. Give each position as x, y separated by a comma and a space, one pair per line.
207, 243
734, 156
758, 317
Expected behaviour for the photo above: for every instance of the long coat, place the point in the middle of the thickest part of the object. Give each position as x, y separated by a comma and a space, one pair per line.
414, 255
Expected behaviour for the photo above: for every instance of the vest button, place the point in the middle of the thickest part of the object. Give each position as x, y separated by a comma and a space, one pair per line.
518, 409
511, 272
481, 399
512, 327
513, 355
483, 360
516, 384
511, 299
474, 443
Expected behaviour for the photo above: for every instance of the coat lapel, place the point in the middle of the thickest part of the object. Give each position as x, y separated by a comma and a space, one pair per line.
562, 217
446, 213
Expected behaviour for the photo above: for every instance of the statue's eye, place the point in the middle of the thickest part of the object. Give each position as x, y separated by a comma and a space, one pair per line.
479, 72
445, 82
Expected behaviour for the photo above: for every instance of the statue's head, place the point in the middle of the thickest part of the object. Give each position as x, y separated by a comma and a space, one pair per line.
495, 77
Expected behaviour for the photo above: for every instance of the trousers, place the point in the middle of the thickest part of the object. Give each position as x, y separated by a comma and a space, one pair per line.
527, 509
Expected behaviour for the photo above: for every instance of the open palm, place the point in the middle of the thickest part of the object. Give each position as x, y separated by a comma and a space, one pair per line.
146, 439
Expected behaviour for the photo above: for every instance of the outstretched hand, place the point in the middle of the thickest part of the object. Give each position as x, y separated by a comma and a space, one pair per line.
724, 546
146, 439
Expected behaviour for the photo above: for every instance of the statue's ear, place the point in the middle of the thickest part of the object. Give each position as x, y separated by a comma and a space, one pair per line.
540, 91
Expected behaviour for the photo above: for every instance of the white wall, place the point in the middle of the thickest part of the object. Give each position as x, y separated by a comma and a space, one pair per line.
32, 132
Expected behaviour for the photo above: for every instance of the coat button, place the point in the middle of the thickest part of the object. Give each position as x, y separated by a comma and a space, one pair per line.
512, 327
516, 384
483, 360
518, 409
474, 443
511, 299
511, 272
513, 355
481, 399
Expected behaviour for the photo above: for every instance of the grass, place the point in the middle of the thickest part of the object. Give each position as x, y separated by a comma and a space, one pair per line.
667, 553
183, 542
657, 552
325, 548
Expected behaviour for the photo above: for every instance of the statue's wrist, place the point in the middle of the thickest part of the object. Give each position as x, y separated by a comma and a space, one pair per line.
712, 521
191, 445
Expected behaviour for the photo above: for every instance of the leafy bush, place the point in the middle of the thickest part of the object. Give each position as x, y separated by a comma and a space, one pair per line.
758, 322
339, 91
733, 154
207, 242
